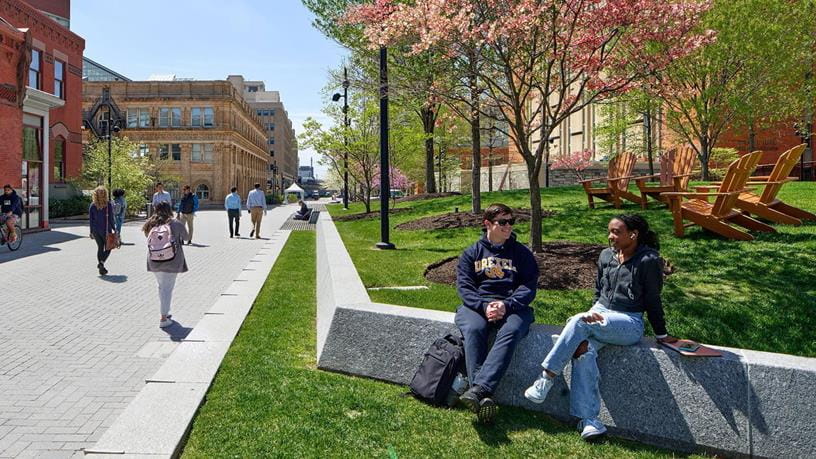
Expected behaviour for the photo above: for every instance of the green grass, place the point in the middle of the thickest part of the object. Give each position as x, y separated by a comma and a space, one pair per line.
754, 295
268, 400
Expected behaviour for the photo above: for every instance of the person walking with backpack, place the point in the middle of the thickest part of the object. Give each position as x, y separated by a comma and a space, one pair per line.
232, 204
119, 209
256, 205
100, 217
165, 255
188, 206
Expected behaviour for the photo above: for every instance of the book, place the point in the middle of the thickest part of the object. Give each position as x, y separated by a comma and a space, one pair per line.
691, 348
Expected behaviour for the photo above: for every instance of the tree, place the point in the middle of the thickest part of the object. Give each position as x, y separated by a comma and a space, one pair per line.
751, 75
543, 60
130, 172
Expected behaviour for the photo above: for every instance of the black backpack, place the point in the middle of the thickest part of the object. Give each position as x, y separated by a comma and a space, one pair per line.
434, 378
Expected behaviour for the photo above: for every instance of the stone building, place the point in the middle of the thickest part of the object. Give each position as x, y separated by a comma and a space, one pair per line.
281, 140
40, 91
202, 131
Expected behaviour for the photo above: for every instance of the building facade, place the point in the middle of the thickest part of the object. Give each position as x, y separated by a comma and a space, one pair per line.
202, 132
281, 140
42, 136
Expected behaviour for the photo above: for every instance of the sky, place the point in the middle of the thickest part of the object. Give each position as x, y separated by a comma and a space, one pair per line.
269, 40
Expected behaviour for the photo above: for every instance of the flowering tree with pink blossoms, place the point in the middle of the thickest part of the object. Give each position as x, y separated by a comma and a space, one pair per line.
575, 162
543, 60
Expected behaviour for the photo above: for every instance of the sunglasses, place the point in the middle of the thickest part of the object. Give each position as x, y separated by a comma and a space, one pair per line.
505, 221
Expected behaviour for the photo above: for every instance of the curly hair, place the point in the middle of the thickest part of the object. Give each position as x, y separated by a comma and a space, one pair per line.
100, 197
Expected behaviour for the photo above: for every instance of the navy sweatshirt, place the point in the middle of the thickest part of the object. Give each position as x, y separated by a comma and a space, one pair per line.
488, 273
632, 286
11, 203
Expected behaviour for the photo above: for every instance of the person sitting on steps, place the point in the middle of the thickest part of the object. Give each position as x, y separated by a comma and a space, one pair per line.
629, 282
496, 279
304, 212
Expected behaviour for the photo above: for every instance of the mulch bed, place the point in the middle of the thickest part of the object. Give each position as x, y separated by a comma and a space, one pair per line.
419, 197
462, 220
562, 265
365, 215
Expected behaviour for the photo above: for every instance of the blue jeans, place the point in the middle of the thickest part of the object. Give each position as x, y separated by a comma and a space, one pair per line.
484, 367
118, 220
619, 328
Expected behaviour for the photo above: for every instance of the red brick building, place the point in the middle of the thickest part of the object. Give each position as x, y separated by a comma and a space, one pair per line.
41, 137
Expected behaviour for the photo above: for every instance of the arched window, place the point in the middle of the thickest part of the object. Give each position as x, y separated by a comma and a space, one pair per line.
202, 191
59, 160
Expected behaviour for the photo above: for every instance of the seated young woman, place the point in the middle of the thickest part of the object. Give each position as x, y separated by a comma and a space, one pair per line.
629, 282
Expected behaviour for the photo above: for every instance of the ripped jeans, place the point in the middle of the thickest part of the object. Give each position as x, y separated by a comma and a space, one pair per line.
619, 328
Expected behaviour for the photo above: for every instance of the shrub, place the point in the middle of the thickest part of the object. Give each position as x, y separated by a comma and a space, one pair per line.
292, 198
76, 205
274, 198
719, 160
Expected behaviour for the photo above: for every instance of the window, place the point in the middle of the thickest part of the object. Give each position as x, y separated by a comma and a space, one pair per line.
272, 153
170, 117
164, 117
59, 79
272, 112
144, 150
34, 69
202, 153
271, 141
270, 126
59, 160
209, 117
202, 191
175, 150
260, 112
164, 151
138, 117
175, 117
195, 117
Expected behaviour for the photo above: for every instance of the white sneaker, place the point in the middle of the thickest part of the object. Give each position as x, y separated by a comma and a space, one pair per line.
166, 322
540, 388
591, 429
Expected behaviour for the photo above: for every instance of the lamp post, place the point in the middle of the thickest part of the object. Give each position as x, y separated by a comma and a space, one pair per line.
804, 131
274, 177
385, 185
111, 127
335, 98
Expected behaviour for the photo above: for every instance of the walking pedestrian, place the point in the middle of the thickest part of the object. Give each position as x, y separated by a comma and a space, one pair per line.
165, 258
256, 205
187, 209
100, 216
232, 203
160, 196
119, 209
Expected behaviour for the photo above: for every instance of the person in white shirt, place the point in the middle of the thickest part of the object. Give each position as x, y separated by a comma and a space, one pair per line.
256, 205
161, 196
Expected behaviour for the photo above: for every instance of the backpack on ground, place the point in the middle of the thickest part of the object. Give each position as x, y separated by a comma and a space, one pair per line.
160, 243
433, 381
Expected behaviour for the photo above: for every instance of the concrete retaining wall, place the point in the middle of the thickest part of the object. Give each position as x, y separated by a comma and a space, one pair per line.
746, 403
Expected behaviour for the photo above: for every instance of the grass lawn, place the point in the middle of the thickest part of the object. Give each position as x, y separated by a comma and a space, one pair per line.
753, 295
268, 400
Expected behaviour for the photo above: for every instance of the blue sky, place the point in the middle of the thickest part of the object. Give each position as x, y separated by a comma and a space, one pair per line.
269, 40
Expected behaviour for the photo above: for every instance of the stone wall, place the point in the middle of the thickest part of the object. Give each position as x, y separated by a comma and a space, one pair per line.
515, 178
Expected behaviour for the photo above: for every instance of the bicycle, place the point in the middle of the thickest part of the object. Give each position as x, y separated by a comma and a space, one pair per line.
4, 237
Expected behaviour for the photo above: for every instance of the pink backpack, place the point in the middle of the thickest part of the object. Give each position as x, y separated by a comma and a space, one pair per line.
160, 243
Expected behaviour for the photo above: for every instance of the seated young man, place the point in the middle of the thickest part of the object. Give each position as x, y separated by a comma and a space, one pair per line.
496, 280
304, 212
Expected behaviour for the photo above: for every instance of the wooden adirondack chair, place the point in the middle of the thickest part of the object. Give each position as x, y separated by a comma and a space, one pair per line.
766, 205
617, 182
675, 172
717, 216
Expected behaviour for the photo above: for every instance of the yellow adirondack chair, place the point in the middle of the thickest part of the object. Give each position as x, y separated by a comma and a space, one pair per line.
766, 205
675, 172
617, 182
717, 216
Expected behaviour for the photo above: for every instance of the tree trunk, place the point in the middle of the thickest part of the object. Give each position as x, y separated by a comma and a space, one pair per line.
535, 206
428, 122
368, 200
705, 154
751, 138
475, 137
648, 128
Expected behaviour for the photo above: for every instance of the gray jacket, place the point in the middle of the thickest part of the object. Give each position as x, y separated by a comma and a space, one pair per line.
178, 264
633, 286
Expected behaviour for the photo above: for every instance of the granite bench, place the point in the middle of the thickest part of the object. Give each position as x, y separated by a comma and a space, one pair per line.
745, 403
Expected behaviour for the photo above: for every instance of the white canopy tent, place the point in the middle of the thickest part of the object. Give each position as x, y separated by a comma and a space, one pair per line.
294, 188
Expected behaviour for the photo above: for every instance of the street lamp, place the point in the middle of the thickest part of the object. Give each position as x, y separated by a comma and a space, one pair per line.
112, 126
274, 177
385, 185
335, 98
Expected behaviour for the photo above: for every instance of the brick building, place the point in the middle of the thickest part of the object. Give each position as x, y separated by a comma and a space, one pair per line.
204, 132
42, 137
281, 140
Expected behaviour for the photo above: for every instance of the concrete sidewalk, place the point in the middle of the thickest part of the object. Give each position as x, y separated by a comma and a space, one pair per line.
76, 347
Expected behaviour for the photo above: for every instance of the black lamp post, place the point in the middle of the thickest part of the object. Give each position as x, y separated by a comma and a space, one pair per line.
335, 98
804, 131
112, 126
274, 177
385, 185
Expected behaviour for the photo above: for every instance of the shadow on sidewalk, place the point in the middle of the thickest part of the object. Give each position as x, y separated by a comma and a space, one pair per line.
37, 243
114, 278
177, 332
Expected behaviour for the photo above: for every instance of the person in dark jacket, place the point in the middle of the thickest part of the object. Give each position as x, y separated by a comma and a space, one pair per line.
629, 282
100, 215
496, 279
188, 206
304, 212
11, 209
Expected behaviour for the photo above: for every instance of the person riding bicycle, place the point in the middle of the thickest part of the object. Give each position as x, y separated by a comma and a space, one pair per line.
11, 209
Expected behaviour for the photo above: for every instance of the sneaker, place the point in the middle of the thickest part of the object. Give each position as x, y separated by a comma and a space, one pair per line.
591, 429
102, 270
166, 322
237, 235
251, 233
472, 398
540, 388
487, 410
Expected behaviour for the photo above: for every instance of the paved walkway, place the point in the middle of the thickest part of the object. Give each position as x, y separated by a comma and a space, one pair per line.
75, 348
